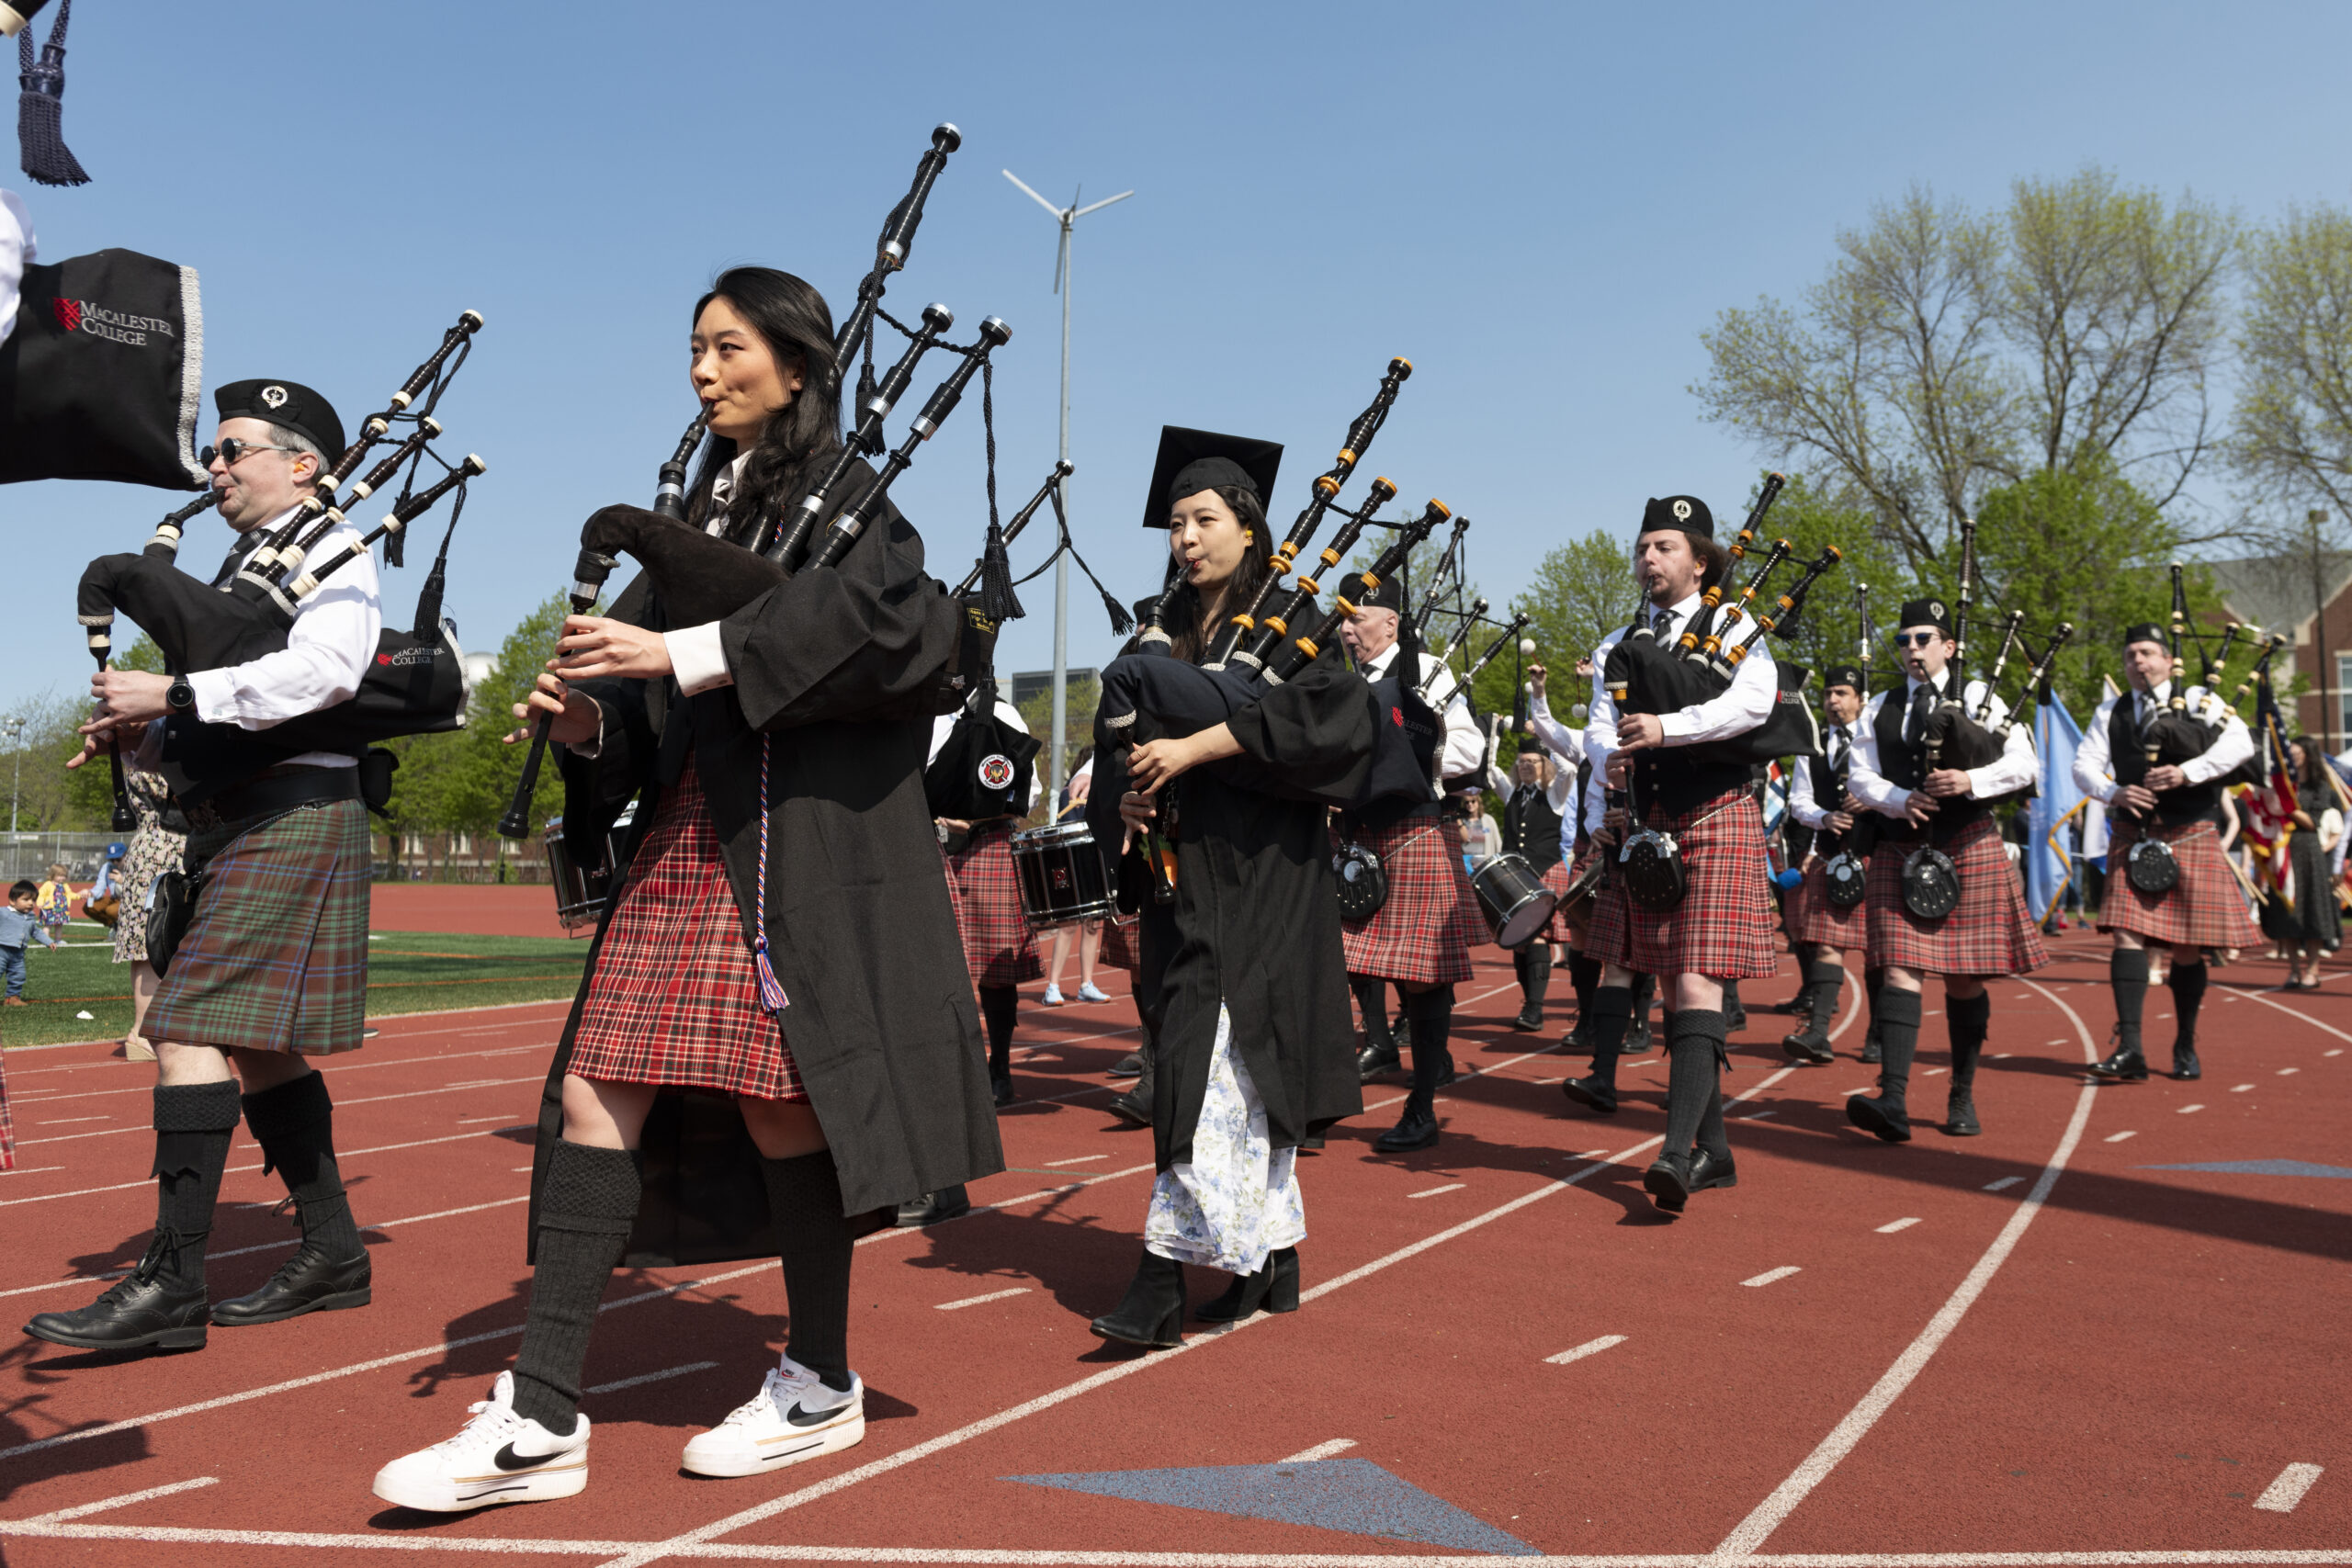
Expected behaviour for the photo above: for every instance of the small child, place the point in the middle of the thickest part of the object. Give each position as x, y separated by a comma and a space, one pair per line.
20, 923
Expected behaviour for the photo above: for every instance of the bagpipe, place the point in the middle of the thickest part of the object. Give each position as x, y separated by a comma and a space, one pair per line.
415, 682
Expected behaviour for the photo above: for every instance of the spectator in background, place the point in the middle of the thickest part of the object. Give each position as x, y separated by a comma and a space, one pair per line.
155, 848
20, 922
1087, 934
54, 899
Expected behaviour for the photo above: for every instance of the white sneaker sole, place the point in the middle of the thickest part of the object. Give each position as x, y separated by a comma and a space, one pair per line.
442, 1496
785, 1448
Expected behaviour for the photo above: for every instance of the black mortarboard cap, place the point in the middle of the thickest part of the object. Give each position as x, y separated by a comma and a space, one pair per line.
286, 403
1842, 675
1686, 512
1194, 460
1925, 613
2143, 631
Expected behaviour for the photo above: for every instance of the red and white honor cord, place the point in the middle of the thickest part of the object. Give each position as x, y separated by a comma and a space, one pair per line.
771, 995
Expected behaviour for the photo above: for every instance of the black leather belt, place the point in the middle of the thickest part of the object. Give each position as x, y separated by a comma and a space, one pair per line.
275, 793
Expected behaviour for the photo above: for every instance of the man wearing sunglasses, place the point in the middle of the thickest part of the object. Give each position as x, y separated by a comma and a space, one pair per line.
2179, 804
1684, 781
272, 968
1988, 932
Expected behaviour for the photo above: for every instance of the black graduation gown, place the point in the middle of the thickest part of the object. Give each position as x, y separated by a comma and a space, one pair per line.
882, 1023
1256, 919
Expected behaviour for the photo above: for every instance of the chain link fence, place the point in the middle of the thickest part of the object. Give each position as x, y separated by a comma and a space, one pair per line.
28, 856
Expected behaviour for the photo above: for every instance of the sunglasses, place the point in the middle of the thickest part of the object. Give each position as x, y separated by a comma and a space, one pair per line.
233, 451
1916, 639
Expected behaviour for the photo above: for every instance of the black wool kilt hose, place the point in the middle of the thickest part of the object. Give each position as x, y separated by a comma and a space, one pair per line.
1423, 933
1988, 932
2203, 909
1723, 929
1815, 919
276, 958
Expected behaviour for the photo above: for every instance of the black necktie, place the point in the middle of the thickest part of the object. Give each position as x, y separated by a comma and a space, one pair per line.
228, 567
1916, 724
1661, 623
1838, 743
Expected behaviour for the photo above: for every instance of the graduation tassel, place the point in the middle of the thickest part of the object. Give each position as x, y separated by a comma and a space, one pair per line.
772, 997
40, 133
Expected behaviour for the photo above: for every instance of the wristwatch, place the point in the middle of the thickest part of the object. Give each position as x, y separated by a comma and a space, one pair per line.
180, 696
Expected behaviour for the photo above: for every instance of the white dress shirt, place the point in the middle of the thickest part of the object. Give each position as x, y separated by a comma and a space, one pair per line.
1745, 704
2015, 769
1463, 749
16, 252
696, 657
944, 725
2094, 762
326, 652
1803, 804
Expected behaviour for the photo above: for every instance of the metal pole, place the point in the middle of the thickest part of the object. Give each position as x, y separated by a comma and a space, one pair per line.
1061, 566
16, 744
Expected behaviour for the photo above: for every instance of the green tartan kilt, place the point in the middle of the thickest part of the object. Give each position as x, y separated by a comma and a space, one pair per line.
276, 958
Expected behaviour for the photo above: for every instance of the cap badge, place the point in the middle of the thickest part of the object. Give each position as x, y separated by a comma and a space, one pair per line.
273, 396
1682, 512
1936, 608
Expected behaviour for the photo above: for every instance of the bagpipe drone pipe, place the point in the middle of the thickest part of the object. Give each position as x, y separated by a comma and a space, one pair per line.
414, 682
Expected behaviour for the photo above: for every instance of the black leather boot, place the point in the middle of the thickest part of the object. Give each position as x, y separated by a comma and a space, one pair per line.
1416, 1129
2127, 976
150, 1307
1431, 1018
1273, 1287
1152, 1314
1379, 1054
947, 1204
1534, 982
294, 1125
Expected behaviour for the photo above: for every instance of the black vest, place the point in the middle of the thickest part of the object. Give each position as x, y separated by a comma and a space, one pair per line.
1828, 788
1905, 764
1671, 780
2128, 759
1530, 828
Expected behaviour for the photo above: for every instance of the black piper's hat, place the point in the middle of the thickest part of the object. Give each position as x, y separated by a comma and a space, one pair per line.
1842, 675
1925, 613
1686, 512
1194, 460
2144, 631
1389, 595
288, 404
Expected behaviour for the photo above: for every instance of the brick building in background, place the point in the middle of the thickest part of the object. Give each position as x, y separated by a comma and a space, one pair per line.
2308, 599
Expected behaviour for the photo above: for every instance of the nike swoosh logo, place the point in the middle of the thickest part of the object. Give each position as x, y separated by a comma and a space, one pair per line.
508, 1459
799, 1415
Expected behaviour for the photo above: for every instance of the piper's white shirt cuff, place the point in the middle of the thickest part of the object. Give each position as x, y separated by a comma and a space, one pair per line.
216, 696
698, 660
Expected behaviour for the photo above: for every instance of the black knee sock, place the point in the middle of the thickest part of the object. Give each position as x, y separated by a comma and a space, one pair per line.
1965, 1023
294, 1125
587, 1206
1694, 1048
192, 1125
1730, 999
1535, 980
1371, 1001
1874, 982
2127, 976
1430, 1015
2188, 983
805, 1196
1519, 967
1898, 1031
1637, 1039
999, 1004
1584, 978
1612, 1013
1829, 979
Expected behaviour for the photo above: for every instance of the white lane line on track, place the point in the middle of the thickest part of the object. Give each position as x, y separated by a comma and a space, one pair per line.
127, 1500
2187, 1109
2118, 1137
1589, 1347
1431, 1192
2240, 1088
976, 1300
1320, 1451
2291, 1012
72, 1120
363, 1099
2288, 1072
2281, 1495
642, 1378
1083, 1159
1772, 1276
241, 1169
1901, 1225
1843, 1438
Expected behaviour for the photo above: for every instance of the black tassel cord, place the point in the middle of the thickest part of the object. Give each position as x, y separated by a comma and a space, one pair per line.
40, 131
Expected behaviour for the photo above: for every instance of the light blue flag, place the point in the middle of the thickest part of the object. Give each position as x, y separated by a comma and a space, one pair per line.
2047, 867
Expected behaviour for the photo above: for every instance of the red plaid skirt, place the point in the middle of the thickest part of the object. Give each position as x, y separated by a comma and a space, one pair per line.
2203, 910
1424, 931
1000, 948
1988, 932
1121, 943
1813, 918
672, 998
1723, 929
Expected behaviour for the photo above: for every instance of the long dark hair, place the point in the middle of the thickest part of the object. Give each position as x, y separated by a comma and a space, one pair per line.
1183, 614
797, 325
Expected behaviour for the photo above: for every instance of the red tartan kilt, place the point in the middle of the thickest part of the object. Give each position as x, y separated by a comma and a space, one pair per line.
1723, 929
1815, 918
1122, 945
1988, 932
2203, 910
674, 999
1424, 930
1000, 947
1557, 878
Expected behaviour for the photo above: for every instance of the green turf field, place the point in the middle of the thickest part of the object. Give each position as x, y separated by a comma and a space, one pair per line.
407, 971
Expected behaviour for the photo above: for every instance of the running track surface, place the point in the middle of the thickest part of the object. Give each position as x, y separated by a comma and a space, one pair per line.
2037, 1345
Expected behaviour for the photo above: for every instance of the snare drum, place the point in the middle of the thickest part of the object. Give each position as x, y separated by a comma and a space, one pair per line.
581, 892
1516, 903
1063, 879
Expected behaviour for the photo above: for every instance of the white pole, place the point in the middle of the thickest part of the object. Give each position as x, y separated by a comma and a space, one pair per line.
1061, 565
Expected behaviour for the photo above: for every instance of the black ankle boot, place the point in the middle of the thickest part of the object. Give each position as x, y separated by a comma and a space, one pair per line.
1416, 1129
1378, 1054
1273, 1287
1152, 1314
152, 1306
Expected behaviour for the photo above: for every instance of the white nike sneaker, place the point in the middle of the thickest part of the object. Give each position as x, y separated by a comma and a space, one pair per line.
500, 1457
777, 1426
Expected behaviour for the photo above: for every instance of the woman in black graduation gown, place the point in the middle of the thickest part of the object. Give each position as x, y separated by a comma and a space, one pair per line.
784, 940
1256, 1045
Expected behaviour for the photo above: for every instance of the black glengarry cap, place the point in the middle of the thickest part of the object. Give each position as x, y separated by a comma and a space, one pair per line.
1925, 613
1686, 512
2143, 631
288, 404
1842, 675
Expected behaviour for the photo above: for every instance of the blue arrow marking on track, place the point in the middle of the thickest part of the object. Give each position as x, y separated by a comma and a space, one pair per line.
1351, 1494
2264, 1168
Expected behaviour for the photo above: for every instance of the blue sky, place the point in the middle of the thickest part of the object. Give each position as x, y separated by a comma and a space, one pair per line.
1541, 206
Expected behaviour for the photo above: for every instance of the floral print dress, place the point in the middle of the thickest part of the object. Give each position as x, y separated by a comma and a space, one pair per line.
1238, 1199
